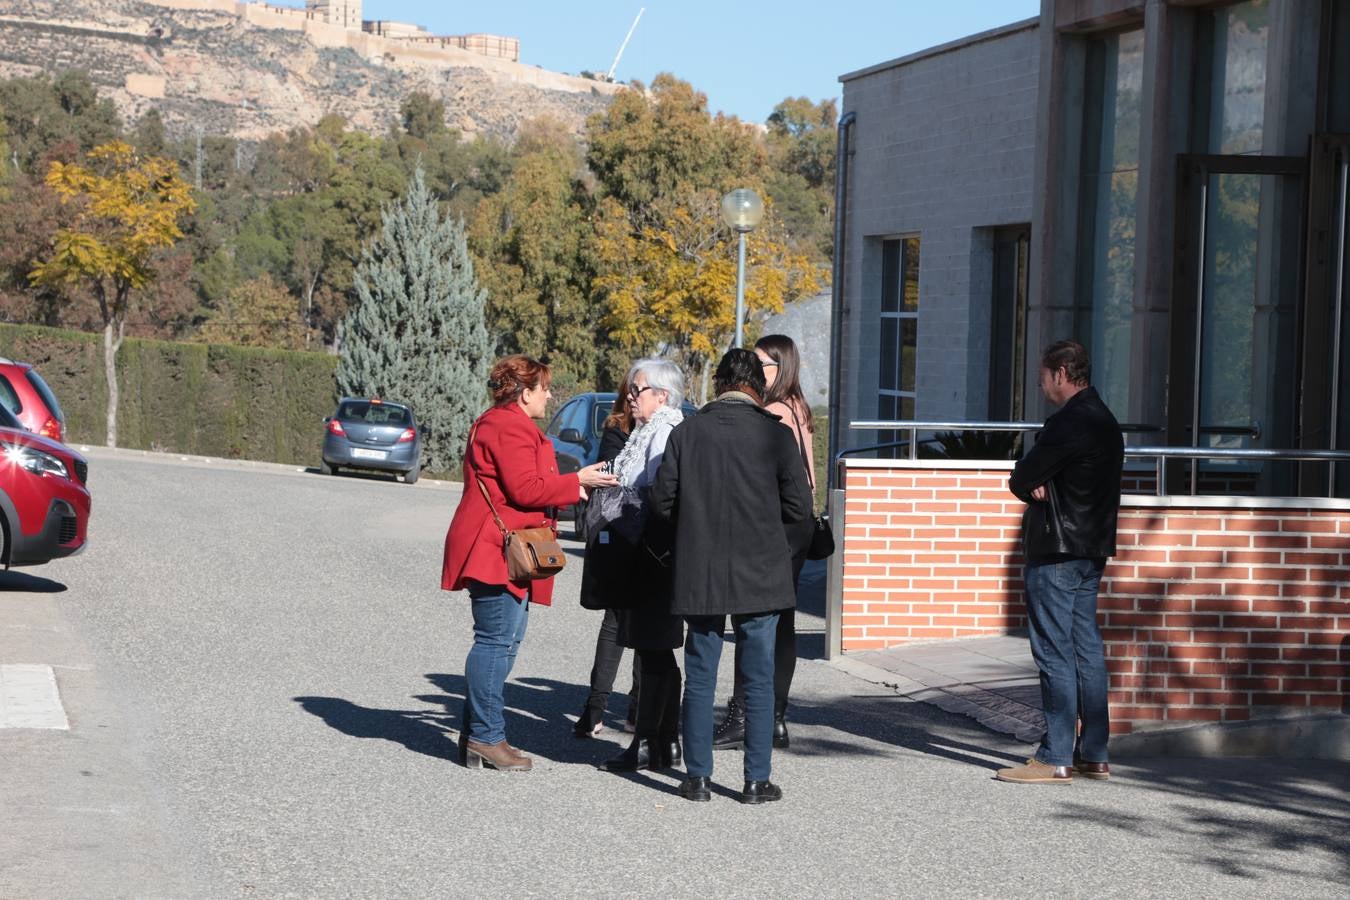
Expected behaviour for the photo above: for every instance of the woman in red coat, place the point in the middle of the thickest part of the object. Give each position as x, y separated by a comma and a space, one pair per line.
510, 457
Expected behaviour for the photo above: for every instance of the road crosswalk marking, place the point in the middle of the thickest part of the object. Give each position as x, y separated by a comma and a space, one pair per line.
29, 698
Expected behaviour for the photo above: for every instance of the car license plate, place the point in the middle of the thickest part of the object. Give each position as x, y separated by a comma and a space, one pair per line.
363, 453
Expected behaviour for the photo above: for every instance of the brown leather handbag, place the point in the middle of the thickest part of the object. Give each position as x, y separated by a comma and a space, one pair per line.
531, 553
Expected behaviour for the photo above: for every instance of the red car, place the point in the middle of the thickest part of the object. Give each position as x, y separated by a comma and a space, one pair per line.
24, 393
44, 504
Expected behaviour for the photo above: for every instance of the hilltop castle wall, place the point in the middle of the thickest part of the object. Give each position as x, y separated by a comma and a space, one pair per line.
398, 46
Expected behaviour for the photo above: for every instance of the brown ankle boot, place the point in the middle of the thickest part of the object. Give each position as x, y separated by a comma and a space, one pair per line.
497, 756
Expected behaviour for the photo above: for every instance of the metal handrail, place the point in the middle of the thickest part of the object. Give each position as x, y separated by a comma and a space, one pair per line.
1162, 454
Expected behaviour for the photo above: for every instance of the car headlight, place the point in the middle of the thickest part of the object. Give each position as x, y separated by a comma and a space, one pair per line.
34, 460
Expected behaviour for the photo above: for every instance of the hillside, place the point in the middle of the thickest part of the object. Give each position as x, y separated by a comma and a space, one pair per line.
211, 69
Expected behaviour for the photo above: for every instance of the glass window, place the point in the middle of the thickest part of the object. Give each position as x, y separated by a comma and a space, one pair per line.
574, 416
46, 394
374, 413
1237, 78
899, 329
599, 414
1111, 183
555, 426
8, 397
1008, 322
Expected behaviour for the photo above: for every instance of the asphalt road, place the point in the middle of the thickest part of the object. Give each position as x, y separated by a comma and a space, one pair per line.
263, 681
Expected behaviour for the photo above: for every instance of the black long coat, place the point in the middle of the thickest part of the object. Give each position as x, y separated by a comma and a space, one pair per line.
731, 478
633, 579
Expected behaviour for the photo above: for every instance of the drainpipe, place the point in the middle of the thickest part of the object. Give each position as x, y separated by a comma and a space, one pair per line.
834, 576
837, 286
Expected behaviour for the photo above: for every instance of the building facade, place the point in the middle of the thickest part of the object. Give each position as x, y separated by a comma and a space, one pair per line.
1164, 181
1168, 182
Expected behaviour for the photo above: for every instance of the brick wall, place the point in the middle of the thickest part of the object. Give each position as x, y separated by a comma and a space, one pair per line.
1214, 609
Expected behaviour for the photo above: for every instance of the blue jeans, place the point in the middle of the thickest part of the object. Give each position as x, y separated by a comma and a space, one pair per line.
498, 628
1067, 647
754, 656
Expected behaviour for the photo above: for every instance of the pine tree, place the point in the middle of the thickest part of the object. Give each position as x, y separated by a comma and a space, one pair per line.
416, 333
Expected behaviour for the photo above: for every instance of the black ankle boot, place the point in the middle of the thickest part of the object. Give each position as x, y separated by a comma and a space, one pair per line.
730, 732
637, 756
780, 735
588, 724
669, 731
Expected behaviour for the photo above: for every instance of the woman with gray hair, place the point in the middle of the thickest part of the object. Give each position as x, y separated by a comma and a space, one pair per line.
628, 566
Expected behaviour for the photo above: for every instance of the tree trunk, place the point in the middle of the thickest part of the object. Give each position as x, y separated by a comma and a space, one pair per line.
111, 344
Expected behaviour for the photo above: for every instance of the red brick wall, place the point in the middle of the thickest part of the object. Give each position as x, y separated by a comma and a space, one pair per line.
1208, 613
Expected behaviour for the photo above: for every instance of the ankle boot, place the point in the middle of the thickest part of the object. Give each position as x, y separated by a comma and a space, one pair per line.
497, 756
730, 732
780, 734
645, 751
638, 756
588, 723
671, 753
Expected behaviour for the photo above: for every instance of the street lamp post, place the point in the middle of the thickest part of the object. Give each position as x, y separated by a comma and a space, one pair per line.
742, 210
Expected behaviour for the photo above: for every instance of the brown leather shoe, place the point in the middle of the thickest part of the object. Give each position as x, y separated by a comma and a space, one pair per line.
1037, 772
497, 756
1097, 771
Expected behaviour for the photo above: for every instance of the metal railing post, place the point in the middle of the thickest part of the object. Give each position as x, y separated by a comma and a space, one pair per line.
834, 577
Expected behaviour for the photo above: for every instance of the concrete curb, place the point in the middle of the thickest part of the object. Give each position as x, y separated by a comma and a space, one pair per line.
1300, 737
93, 451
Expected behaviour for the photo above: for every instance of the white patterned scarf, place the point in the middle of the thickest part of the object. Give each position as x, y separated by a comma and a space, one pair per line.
632, 459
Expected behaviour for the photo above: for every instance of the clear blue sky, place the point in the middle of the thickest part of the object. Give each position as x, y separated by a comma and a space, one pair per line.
783, 49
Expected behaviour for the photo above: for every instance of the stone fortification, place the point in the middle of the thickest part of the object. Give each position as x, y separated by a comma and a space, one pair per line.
247, 69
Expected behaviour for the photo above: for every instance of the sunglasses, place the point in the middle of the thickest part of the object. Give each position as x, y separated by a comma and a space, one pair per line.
635, 392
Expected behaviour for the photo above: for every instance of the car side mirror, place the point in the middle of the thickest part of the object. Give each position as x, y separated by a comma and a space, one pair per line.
571, 436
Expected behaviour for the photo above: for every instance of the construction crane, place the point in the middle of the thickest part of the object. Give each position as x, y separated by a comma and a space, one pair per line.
610, 75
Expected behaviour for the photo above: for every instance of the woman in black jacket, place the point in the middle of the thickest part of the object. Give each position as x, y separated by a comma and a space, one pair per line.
627, 566
608, 652
730, 480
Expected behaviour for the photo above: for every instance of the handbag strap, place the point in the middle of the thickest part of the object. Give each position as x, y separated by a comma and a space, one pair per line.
801, 446
482, 487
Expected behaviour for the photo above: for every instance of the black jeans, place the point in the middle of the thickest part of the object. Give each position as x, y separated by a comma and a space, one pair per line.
608, 655
784, 650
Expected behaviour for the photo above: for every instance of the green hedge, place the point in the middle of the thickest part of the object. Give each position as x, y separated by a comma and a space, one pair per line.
207, 399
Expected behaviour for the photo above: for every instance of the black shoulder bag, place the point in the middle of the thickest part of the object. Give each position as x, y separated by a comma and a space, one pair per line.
822, 536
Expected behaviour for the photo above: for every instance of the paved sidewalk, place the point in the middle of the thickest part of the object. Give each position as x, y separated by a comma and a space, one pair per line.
992, 680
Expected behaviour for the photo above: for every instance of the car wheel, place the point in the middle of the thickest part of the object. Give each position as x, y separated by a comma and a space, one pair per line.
579, 521
410, 477
327, 469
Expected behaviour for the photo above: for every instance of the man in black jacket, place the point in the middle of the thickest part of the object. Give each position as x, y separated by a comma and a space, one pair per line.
730, 478
1070, 482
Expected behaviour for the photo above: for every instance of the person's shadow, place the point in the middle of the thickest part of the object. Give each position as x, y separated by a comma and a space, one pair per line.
22, 582
535, 711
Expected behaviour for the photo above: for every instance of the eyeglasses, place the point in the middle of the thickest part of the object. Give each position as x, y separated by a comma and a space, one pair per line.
635, 392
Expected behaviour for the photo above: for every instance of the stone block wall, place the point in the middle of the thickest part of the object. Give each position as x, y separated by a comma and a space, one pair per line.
1214, 609
943, 149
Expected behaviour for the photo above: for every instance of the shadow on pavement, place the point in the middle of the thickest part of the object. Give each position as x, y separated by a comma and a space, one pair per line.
1310, 800
536, 712
889, 720
358, 474
21, 582
418, 730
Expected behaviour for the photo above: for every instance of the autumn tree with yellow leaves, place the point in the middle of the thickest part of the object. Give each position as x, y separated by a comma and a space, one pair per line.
668, 276
665, 262
128, 208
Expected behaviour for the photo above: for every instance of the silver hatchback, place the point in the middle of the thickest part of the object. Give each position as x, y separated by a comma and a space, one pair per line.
372, 434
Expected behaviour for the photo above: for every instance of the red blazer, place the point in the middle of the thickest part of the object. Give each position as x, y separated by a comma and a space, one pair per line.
520, 472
